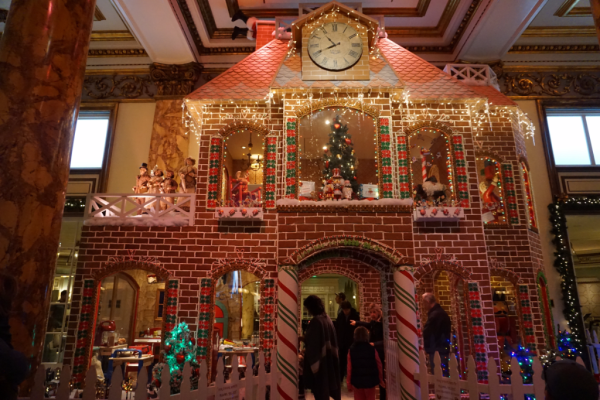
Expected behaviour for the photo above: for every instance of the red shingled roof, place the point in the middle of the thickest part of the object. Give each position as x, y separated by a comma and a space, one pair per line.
422, 79
247, 80
494, 96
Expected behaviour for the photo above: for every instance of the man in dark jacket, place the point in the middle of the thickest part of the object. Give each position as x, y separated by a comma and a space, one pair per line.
436, 332
321, 364
345, 333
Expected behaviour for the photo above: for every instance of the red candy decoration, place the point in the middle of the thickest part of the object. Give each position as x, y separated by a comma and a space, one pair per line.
348, 141
337, 126
180, 358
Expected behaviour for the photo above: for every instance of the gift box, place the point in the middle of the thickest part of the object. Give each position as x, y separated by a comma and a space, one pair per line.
306, 188
368, 191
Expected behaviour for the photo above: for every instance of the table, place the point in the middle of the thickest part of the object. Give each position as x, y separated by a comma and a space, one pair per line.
108, 350
146, 359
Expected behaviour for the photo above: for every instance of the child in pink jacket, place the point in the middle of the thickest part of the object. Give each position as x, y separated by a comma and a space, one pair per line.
364, 367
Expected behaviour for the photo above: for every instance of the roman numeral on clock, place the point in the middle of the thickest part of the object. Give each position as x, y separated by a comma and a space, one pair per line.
324, 31
315, 45
352, 53
334, 63
334, 27
324, 60
316, 53
316, 37
353, 36
355, 44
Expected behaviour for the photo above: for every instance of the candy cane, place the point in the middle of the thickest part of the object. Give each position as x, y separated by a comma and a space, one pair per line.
406, 332
287, 333
424, 163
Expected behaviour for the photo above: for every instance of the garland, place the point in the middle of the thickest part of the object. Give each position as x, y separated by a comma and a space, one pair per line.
478, 332
267, 298
403, 168
171, 309
291, 151
84, 331
214, 171
385, 156
204, 318
460, 165
270, 171
527, 316
564, 264
509, 191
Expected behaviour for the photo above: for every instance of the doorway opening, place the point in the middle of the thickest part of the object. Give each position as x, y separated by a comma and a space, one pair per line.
326, 286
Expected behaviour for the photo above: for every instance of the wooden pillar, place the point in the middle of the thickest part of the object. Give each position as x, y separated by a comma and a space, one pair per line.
43, 54
595, 4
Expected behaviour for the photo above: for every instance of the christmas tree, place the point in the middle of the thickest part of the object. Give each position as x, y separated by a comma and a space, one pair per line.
566, 349
178, 350
339, 153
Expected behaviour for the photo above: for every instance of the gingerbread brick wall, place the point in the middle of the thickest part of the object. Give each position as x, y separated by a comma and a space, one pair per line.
189, 252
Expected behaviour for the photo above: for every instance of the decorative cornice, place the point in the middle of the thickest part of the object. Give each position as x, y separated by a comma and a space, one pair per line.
544, 83
560, 31
118, 87
124, 71
111, 36
175, 80
117, 53
568, 9
560, 48
437, 31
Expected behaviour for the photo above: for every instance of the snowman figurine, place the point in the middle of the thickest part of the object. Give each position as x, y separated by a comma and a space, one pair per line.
347, 190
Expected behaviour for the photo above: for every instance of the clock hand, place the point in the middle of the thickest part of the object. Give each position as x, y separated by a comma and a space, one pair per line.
334, 44
330, 40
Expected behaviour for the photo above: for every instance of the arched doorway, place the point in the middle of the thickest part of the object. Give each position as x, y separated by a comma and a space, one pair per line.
395, 279
134, 273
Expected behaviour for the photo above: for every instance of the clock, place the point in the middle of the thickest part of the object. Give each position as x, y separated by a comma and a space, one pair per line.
335, 46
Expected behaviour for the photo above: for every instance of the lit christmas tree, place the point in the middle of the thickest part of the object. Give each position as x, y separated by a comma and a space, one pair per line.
340, 154
178, 350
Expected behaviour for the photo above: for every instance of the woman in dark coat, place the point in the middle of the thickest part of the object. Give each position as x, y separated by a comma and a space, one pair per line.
375, 327
321, 370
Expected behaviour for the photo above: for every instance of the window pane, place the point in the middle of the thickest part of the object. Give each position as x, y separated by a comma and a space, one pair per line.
594, 129
89, 143
568, 140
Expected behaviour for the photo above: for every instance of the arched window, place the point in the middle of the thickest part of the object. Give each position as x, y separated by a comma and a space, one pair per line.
528, 196
491, 190
431, 165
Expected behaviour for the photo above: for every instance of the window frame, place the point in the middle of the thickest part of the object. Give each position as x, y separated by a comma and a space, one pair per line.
583, 113
551, 106
103, 171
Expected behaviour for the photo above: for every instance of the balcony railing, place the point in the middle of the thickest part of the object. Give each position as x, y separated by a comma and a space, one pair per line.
155, 209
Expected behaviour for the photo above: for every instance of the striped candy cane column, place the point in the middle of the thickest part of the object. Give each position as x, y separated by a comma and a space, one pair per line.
287, 333
406, 331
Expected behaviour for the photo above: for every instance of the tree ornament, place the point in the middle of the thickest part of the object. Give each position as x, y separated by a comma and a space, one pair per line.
337, 125
339, 156
180, 358
168, 348
348, 142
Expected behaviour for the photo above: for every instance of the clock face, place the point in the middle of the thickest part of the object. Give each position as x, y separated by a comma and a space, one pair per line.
335, 46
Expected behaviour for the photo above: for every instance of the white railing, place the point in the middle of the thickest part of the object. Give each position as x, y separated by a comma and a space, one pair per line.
155, 209
252, 387
473, 74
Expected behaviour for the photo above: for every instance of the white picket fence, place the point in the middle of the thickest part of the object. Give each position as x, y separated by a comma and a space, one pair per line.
252, 387
450, 388
122, 209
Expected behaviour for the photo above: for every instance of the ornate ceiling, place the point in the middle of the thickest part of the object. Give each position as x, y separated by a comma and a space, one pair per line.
131, 34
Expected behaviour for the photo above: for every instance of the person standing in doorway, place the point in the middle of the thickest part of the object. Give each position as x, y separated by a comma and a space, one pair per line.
321, 363
375, 327
436, 332
365, 371
345, 333
339, 298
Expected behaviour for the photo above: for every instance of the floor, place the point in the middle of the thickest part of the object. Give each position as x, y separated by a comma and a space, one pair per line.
345, 394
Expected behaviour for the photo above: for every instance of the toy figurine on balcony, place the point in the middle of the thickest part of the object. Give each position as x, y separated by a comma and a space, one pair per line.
141, 186
492, 204
154, 185
168, 185
187, 174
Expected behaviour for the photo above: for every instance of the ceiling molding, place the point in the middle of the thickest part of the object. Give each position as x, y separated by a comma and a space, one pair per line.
437, 31
405, 12
569, 9
112, 36
98, 16
560, 31
97, 53
560, 48
195, 35
528, 84
449, 48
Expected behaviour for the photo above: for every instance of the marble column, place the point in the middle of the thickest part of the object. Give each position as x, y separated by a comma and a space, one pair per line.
43, 53
169, 142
